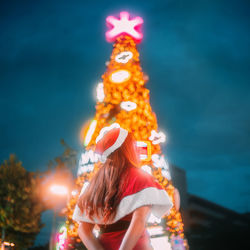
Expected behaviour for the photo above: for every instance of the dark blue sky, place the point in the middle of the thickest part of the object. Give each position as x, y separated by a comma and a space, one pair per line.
196, 53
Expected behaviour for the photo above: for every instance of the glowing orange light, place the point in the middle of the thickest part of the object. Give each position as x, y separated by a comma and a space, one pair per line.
90, 132
59, 189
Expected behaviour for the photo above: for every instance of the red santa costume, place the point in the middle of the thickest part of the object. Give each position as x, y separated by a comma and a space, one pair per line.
140, 190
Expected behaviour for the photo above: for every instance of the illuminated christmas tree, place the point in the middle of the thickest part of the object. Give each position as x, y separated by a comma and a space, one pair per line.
122, 97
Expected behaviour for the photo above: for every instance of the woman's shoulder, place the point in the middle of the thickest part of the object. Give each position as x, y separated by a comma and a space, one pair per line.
137, 180
139, 175
142, 189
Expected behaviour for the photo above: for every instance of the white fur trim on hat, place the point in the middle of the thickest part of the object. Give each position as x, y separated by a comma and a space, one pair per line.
105, 130
121, 138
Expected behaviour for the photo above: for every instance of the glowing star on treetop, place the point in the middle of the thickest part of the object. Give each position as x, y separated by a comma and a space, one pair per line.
124, 25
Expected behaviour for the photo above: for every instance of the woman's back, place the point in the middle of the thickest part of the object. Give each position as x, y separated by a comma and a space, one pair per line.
113, 240
120, 196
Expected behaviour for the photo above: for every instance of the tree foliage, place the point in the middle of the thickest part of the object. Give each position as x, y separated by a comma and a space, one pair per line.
20, 204
67, 160
24, 195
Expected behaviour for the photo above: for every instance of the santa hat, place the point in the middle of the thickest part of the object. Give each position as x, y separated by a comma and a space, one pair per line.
110, 139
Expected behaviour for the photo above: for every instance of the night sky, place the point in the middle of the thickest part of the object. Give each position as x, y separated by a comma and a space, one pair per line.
196, 53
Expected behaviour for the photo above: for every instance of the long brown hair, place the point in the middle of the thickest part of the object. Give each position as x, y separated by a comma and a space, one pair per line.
102, 196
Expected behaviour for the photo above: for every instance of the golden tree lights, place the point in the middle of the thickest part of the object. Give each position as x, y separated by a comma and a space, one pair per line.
123, 98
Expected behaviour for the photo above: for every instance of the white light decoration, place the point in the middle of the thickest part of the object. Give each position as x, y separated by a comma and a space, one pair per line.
153, 219
124, 57
86, 162
74, 193
157, 138
158, 242
88, 156
90, 132
141, 144
128, 106
166, 174
159, 162
144, 150
105, 130
85, 169
158, 230
100, 92
159, 238
147, 169
143, 157
120, 76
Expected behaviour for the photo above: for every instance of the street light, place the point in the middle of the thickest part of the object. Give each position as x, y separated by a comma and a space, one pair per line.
59, 190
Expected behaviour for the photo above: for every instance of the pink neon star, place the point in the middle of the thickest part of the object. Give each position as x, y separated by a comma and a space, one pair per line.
124, 26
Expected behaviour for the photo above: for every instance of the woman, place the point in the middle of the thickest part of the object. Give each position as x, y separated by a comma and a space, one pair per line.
120, 197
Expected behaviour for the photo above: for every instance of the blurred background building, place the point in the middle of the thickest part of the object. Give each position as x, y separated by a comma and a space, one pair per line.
208, 225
